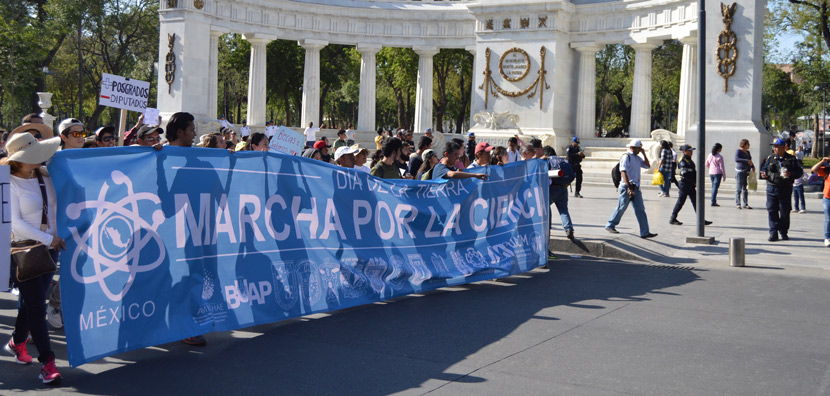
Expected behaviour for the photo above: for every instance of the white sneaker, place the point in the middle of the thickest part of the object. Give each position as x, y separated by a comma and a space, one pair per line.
55, 317
827, 243
661, 195
802, 211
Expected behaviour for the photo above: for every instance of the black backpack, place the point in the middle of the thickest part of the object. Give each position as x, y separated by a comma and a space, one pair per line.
616, 176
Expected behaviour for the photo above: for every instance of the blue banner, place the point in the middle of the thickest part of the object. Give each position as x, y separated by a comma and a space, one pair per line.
164, 245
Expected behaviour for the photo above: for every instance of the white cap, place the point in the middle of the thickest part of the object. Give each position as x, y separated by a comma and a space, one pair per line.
635, 143
341, 151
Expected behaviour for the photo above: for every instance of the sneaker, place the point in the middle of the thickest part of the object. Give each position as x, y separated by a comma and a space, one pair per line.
827, 243
715, 204
55, 317
675, 222
20, 353
802, 211
794, 211
739, 206
661, 195
707, 222
578, 195
196, 341
551, 256
747, 207
773, 237
570, 234
612, 230
648, 236
49, 373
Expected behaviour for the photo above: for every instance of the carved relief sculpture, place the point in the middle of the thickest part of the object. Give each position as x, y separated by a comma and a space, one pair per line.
524, 23
543, 21
539, 85
170, 63
727, 52
172, 3
506, 23
489, 24
199, 4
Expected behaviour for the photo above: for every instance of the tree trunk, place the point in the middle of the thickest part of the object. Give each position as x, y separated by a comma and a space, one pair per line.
815, 152
287, 105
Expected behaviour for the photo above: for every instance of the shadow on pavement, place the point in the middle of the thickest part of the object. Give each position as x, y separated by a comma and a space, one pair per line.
416, 343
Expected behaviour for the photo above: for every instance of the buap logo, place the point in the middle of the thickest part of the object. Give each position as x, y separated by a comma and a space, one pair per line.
116, 238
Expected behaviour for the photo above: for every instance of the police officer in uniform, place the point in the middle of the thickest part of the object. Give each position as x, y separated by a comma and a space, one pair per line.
575, 156
780, 170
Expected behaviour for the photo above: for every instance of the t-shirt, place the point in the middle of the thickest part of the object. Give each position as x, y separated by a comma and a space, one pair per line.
415, 162
473, 164
384, 171
513, 155
350, 134
311, 134
362, 168
337, 144
823, 172
631, 165
440, 171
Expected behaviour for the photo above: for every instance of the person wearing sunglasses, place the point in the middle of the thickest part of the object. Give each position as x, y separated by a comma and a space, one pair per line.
72, 133
105, 136
149, 136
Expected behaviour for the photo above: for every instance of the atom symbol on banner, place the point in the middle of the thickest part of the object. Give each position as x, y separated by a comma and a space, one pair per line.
114, 240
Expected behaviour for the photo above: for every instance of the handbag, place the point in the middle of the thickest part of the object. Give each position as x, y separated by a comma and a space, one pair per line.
752, 181
30, 259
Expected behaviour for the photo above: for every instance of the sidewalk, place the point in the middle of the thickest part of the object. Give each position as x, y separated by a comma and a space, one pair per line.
804, 249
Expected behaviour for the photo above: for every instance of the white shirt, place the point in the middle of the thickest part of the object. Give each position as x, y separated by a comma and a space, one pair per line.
225, 124
245, 131
270, 131
350, 134
514, 155
26, 209
362, 168
311, 134
631, 165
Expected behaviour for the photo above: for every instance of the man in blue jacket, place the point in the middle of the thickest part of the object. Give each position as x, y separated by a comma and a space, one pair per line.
780, 170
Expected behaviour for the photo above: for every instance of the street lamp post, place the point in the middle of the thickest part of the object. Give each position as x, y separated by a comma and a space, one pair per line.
701, 114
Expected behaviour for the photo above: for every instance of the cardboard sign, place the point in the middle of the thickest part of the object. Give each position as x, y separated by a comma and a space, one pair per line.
124, 93
5, 228
288, 141
151, 116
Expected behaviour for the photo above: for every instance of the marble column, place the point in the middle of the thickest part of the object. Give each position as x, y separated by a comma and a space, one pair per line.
641, 96
213, 73
256, 79
687, 102
472, 50
587, 92
368, 86
423, 94
311, 82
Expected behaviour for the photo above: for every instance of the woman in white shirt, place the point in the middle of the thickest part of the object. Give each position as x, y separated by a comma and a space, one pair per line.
29, 182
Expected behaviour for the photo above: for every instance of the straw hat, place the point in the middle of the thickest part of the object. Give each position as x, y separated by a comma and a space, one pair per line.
24, 148
45, 130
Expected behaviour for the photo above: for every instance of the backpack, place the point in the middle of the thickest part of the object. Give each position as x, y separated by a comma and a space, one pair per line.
568, 175
616, 175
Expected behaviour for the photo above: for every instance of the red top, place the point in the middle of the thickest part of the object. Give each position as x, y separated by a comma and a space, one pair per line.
823, 173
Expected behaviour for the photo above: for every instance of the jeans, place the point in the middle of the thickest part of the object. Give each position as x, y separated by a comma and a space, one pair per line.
740, 180
31, 316
666, 182
683, 193
578, 182
559, 197
715, 185
826, 203
798, 196
779, 204
639, 210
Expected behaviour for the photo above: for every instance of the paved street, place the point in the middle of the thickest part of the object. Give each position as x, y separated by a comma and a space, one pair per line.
586, 326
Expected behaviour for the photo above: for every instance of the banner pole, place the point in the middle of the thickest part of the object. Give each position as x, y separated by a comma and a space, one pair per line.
122, 127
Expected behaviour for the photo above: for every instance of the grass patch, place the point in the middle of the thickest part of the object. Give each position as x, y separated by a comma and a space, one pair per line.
809, 162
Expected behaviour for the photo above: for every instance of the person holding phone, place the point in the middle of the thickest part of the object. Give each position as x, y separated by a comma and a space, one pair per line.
822, 169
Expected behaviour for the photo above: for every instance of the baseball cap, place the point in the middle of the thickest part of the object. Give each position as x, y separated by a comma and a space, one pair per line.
427, 154
429, 129
778, 142
686, 147
148, 129
319, 145
346, 150
635, 143
483, 146
575, 139
471, 134
69, 123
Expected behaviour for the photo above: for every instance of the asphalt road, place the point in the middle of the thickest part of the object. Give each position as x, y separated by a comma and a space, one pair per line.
584, 327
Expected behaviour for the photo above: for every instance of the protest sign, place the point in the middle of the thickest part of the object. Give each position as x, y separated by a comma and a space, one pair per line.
288, 141
124, 93
164, 245
5, 228
151, 116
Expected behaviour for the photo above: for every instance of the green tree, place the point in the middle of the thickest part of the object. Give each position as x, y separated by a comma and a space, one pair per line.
284, 79
398, 70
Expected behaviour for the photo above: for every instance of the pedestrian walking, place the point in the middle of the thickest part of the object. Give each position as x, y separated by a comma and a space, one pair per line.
717, 172
779, 170
687, 184
666, 168
575, 155
822, 169
743, 165
798, 193
631, 164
